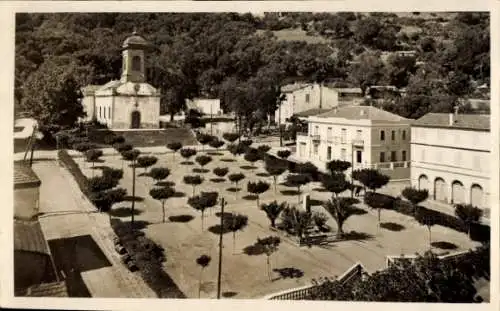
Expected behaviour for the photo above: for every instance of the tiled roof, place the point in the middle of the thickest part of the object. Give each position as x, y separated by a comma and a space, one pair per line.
362, 113
56, 289
312, 112
24, 175
28, 236
90, 89
462, 121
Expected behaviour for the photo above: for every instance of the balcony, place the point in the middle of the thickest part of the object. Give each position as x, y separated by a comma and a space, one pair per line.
358, 143
315, 138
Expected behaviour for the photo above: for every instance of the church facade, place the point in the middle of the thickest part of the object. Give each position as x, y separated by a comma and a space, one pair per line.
128, 103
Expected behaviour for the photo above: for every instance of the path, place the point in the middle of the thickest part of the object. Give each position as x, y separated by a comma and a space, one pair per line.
67, 214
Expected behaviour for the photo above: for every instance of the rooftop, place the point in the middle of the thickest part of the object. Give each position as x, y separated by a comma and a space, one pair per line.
135, 40
24, 176
312, 112
462, 121
362, 113
28, 236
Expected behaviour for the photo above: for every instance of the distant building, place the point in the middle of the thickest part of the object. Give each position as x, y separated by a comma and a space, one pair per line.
303, 97
205, 106
451, 156
34, 270
128, 103
366, 136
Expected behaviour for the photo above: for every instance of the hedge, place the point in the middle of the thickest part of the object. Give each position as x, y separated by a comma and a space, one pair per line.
75, 170
148, 257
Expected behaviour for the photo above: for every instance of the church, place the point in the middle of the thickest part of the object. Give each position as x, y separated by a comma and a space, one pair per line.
128, 103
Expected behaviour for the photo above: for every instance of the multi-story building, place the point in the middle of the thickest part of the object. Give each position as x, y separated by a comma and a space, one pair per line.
451, 157
366, 136
303, 97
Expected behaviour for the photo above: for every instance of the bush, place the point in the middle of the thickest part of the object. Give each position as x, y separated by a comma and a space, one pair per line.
187, 153
215, 143
203, 160
83, 146
174, 146
146, 161
263, 148
74, 170
284, 154
230, 137
93, 155
122, 147
221, 171
112, 173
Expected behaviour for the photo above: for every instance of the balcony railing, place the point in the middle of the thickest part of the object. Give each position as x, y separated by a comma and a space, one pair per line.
358, 143
315, 137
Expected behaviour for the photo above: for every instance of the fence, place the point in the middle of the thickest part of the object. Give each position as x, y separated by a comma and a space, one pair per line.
356, 272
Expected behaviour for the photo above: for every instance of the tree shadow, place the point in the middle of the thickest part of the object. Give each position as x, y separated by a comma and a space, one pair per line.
129, 198
263, 175
253, 250
217, 229
358, 211
165, 184
250, 197
143, 174
179, 194
320, 189
248, 167
229, 294
356, 236
289, 192
217, 180
200, 170
181, 218
227, 160
315, 202
213, 153
233, 189
187, 163
289, 273
96, 161
226, 214
444, 245
392, 226
124, 212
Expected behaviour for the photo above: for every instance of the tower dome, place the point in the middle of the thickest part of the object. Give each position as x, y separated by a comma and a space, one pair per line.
135, 40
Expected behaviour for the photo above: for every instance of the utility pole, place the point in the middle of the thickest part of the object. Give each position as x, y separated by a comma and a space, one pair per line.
222, 204
133, 191
352, 169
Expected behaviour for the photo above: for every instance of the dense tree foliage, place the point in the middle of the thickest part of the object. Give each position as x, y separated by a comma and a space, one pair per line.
241, 59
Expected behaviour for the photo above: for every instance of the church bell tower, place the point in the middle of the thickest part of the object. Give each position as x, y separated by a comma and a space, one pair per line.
133, 67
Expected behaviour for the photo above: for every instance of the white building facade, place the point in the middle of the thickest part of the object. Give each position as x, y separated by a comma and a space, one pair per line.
205, 105
451, 157
303, 97
365, 136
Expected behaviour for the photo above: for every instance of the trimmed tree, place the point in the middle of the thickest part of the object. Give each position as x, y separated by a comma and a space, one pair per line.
468, 214
203, 160
297, 180
338, 166
426, 218
231, 137
246, 143
162, 194
263, 149
257, 188
297, 220
112, 173
370, 178
236, 149
235, 223
252, 155
221, 171
193, 180
341, 209
146, 162
131, 155
122, 147
103, 200
335, 183
216, 143
187, 153
202, 202
268, 245
378, 202
415, 196
93, 155
273, 211
236, 178
101, 183
204, 139
159, 173
275, 170
284, 154
174, 147
203, 261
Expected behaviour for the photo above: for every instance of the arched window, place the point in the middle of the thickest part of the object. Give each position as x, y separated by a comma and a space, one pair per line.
136, 63
109, 112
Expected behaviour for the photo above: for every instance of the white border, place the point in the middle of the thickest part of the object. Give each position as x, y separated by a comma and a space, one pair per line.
7, 10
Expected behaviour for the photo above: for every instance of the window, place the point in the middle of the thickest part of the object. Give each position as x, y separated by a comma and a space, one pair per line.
104, 112
343, 154
343, 136
315, 149
403, 135
358, 134
308, 98
382, 157
393, 156
403, 155
329, 153
382, 135
316, 130
100, 112
109, 112
393, 135
136, 63
329, 134
359, 157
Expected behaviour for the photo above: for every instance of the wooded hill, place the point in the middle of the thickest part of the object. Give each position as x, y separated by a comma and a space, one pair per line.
244, 59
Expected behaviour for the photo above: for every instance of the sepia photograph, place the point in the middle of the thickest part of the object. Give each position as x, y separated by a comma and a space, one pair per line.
314, 156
